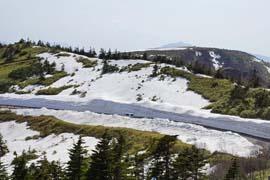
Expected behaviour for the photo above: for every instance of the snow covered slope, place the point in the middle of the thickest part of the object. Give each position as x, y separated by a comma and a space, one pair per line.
124, 87
55, 146
211, 140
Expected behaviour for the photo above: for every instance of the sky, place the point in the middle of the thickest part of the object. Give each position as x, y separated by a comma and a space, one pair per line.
139, 24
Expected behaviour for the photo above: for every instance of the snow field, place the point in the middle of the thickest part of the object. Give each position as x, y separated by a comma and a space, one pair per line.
211, 140
123, 87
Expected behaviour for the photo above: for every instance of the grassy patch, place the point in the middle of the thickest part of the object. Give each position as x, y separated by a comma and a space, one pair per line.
87, 63
25, 58
46, 125
62, 55
52, 91
135, 67
54, 78
210, 88
46, 82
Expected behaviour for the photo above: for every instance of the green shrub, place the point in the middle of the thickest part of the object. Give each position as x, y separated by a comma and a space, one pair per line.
52, 91
107, 68
87, 63
5, 85
62, 55
135, 67
54, 78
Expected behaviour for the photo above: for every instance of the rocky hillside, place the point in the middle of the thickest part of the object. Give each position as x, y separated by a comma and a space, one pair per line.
236, 65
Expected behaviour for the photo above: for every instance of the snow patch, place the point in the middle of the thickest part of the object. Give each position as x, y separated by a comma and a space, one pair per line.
55, 146
217, 65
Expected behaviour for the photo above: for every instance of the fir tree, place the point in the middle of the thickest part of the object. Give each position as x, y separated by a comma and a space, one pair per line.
145, 56
182, 165
3, 172
101, 164
155, 71
233, 172
139, 161
109, 54
198, 160
57, 172
20, 171
43, 170
3, 146
120, 158
218, 74
161, 166
254, 82
77, 160
102, 54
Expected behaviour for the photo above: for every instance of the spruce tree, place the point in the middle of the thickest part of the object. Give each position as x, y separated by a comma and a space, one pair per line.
57, 172
162, 158
43, 170
155, 71
102, 54
145, 56
234, 171
120, 158
77, 160
101, 164
182, 165
198, 160
139, 161
3, 172
3, 147
109, 54
20, 171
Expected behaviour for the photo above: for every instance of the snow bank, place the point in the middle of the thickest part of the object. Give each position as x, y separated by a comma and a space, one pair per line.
55, 146
211, 140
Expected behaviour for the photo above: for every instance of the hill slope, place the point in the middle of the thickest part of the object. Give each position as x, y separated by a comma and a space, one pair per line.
236, 65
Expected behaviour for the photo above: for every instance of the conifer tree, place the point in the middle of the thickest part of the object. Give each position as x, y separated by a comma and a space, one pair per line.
109, 54
43, 170
101, 164
218, 74
162, 160
3, 172
20, 171
144, 56
57, 172
77, 160
139, 161
3, 146
254, 82
233, 172
198, 160
155, 71
120, 158
102, 54
182, 165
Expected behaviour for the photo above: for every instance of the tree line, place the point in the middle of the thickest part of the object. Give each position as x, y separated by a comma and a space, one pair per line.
111, 160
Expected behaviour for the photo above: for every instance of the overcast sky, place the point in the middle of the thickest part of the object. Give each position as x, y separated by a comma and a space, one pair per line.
138, 24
